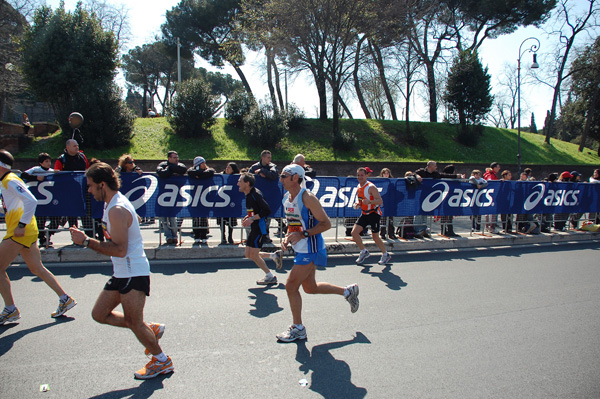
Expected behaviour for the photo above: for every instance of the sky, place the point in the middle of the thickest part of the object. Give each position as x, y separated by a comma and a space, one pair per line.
145, 18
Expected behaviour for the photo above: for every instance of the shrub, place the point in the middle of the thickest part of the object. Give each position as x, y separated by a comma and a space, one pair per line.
265, 127
192, 112
238, 107
294, 117
108, 122
344, 141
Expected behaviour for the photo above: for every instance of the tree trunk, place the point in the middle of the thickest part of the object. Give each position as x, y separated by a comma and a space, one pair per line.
590, 117
359, 94
2, 105
386, 88
145, 102
282, 104
346, 109
336, 111
243, 79
270, 82
322, 90
432, 90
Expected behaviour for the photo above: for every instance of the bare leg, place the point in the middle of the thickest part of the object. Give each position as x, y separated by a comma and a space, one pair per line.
9, 250
379, 242
257, 256
356, 230
33, 259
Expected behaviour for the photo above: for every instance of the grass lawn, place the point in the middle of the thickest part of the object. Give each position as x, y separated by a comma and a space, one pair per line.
384, 141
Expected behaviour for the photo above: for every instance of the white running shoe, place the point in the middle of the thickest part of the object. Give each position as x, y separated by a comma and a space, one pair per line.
277, 257
64, 306
385, 258
352, 297
364, 254
292, 334
7, 316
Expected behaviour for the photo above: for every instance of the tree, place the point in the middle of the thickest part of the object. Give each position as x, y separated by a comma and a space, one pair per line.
569, 24
468, 89
193, 110
209, 27
532, 126
69, 62
12, 25
585, 89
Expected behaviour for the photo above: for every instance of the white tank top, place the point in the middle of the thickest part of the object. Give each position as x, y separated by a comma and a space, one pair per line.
134, 263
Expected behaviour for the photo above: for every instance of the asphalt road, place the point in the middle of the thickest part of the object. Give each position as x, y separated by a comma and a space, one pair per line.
499, 323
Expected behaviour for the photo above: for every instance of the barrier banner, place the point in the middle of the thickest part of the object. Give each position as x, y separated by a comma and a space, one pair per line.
63, 195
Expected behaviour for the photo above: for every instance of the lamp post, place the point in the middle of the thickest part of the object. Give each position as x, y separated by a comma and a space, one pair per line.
532, 49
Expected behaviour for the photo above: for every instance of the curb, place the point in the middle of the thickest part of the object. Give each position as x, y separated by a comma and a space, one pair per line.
75, 254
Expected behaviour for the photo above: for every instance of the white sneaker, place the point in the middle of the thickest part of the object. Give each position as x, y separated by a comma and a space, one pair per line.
352, 297
385, 258
292, 334
277, 257
64, 306
364, 254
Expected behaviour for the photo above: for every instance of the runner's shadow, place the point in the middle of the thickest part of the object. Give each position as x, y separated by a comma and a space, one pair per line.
7, 342
392, 281
265, 303
331, 378
145, 390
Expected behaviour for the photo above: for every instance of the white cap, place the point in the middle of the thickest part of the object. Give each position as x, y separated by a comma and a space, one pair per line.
294, 169
198, 161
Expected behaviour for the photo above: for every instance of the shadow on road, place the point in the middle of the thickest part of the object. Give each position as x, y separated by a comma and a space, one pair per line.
145, 390
265, 304
391, 281
7, 341
331, 378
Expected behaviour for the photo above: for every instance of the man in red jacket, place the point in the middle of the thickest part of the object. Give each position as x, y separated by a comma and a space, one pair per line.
492, 173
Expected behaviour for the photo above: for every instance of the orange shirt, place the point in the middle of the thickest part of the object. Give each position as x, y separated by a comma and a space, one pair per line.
367, 208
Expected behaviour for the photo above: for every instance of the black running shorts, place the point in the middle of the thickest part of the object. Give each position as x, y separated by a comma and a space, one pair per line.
255, 237
124, 285
371, 219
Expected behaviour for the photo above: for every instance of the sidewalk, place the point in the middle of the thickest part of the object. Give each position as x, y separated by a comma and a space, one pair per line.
65, 251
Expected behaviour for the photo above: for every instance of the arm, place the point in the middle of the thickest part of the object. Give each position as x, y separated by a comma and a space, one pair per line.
120, 221
264, 208
29, 204
377, 200
162, 170
270, 172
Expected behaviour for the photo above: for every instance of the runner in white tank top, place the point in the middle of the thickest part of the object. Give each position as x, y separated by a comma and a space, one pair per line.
130, 283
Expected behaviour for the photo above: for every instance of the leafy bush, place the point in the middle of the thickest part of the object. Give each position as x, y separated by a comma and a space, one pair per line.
192, 112
108, 122
265, 127
238, 107
294, 117
344, 141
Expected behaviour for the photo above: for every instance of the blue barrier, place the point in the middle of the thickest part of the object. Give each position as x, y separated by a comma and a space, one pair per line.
63, 195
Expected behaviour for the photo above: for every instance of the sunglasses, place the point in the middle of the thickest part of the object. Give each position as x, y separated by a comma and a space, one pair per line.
130, 162
283, 176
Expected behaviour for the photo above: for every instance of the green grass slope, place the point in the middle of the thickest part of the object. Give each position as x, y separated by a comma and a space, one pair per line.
384, 141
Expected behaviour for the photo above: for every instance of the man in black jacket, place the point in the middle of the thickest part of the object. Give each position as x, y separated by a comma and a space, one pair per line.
200, 225
164, 170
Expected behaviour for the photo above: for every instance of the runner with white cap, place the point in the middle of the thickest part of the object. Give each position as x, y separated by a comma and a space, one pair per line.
307, 221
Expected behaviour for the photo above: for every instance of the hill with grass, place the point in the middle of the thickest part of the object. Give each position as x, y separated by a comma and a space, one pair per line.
376, 141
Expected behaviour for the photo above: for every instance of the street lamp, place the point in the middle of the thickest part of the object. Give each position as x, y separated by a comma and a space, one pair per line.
533, 49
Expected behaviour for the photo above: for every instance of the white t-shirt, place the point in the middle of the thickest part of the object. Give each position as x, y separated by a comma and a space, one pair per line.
134, 263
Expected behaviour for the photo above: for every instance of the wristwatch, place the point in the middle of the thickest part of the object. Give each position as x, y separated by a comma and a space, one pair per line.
305, 233
21, 225
85, 243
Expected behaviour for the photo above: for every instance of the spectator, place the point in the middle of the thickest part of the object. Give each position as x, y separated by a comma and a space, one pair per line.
267, 170
430, 171
507, 218
478, 182
369, 171
491, 174
529, 174
574, 217
523, 176
230, 169
308, 171
595, 177
73, 160
446, 221
200, 171
26, 124
387, 224
164, 170
39, 173
560, 219
127, 165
